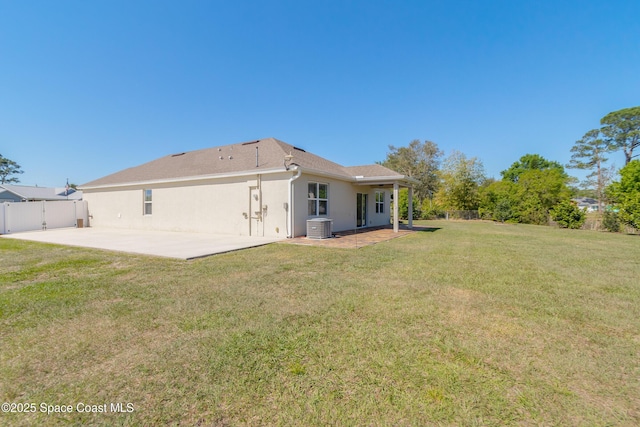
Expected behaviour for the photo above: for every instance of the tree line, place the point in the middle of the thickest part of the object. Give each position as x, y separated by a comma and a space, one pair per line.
533, 190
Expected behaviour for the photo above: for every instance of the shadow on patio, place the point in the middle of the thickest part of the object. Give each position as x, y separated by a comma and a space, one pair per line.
359, 238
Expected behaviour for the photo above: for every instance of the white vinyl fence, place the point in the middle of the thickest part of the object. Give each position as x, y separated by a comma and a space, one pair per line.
27, 216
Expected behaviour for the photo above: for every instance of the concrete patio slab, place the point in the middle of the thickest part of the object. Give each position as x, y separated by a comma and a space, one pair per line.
158, 243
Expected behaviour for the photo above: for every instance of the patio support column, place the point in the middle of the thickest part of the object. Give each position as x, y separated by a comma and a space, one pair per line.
396, 199
410, 207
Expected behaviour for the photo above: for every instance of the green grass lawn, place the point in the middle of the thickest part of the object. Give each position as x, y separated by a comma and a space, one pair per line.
471, 324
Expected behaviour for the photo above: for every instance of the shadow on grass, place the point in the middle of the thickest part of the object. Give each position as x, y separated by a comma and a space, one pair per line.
426, 229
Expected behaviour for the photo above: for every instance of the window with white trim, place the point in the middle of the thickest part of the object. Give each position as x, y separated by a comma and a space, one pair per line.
379, 201
148, 197
318, 199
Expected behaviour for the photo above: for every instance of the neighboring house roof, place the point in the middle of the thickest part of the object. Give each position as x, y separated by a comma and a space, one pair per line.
588, 203
26, 192
586, 200
259, 156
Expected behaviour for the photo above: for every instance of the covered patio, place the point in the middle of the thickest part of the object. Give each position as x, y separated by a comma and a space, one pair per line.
396, 184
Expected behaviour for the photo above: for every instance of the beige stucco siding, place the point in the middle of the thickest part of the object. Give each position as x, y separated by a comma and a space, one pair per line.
248, 205
220, 206
274, 199
342, 204
376, 219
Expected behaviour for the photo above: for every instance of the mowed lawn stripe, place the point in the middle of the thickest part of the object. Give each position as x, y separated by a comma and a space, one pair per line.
474, 323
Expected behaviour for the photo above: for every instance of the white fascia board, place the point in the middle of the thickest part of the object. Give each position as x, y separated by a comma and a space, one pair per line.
326, 174
185, 179
386, 179
359, 179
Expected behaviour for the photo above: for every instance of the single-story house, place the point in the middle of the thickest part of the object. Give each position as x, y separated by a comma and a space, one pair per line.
591, 205
26, 193
257, 188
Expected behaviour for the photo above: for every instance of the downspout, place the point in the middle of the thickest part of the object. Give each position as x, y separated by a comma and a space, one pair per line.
260, 211
290, 217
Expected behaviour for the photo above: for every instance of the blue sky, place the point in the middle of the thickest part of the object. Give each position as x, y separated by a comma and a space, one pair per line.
88, 88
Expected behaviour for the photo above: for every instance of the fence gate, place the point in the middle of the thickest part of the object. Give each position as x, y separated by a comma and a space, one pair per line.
28, 216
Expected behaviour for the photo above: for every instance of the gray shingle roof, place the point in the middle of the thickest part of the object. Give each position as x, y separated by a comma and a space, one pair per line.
41, 193
372, 171
234, 158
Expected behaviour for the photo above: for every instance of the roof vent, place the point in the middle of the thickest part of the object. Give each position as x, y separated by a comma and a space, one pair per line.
221, 158
230, 157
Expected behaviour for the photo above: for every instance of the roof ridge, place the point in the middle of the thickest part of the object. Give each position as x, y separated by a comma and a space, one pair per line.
241, 157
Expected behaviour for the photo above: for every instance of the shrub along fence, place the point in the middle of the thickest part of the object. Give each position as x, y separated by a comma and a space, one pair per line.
466, 215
